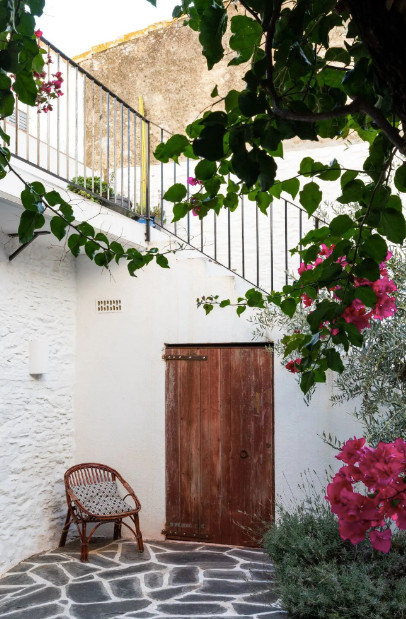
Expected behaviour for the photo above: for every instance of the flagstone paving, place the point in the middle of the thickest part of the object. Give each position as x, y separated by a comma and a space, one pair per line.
175, 580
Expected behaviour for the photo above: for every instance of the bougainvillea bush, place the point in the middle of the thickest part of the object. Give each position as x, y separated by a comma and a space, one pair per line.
320, 575
368, 494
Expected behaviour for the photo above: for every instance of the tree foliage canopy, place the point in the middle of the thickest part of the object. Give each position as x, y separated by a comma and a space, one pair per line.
297, 84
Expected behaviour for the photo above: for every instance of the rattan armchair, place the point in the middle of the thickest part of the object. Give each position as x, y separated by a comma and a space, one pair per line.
92, 494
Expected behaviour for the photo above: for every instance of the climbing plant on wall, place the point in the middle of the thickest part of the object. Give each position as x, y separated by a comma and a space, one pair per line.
298, 84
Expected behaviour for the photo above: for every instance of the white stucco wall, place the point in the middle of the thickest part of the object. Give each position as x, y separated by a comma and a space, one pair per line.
37, 302
120, 387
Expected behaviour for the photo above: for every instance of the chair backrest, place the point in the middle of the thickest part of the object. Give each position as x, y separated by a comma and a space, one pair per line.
89, 473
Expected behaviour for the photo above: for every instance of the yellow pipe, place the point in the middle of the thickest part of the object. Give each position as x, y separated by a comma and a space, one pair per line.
143, 196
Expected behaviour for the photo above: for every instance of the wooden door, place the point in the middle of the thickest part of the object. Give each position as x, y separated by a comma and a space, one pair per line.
219, 443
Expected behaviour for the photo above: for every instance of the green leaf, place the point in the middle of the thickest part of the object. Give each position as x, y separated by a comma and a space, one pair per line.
225, 303
334, 361
91, 248
53, 198
341, 224
393, 225
246, 36
36, 6
205, 169
6, 103
162, 261
75, 242
366, 295
179, 211
310, 197
374, 247
29, 222
86, 229
332, 173
26, 24
176, 193
288, 306
400, 178
354, 336
307, 381
291, 186
67, 212
102, 238
214, 93
241, 309
171, 149
254, 298
337, 54
368, 269
4, 136
24, 86
58, 227
29, 199
212, 28
209, 144
38, 188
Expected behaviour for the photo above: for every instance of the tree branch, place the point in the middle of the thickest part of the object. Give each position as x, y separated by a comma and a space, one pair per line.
249, 10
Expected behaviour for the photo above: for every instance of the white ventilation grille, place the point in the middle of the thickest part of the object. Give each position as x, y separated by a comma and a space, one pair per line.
22, 120
108, 306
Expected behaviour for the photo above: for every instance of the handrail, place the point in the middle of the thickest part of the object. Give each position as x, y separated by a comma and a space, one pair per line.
94, 140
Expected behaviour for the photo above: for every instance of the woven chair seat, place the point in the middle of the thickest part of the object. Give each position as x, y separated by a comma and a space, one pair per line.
102, 499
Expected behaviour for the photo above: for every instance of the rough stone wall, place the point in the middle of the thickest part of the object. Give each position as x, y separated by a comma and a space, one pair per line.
37, 302
164, 66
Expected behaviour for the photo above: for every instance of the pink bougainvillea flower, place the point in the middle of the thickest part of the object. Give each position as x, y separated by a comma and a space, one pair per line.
357, 315
307, 301
304, 267
326, 251
193, 181
292, 366
381, 540
38, 33
352, 449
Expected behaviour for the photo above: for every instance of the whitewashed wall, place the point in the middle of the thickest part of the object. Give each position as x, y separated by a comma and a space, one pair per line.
37, 302
120, 387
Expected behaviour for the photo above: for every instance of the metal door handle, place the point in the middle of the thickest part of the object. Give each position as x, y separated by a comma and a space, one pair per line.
243, 454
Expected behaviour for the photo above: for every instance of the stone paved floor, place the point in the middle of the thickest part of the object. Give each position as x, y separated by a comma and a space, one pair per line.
175, 580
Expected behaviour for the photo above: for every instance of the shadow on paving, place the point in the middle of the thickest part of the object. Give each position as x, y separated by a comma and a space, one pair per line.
176, 580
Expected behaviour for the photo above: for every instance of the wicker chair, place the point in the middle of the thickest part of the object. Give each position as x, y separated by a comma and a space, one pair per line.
93, 497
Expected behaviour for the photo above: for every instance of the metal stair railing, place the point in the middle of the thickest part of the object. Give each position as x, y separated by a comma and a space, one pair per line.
100, 145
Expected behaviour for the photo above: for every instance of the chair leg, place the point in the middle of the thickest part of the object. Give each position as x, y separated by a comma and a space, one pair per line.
139, 534
84, 544
117, 529
65, 530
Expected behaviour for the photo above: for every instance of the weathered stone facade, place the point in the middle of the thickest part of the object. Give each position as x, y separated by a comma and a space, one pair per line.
164, 65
